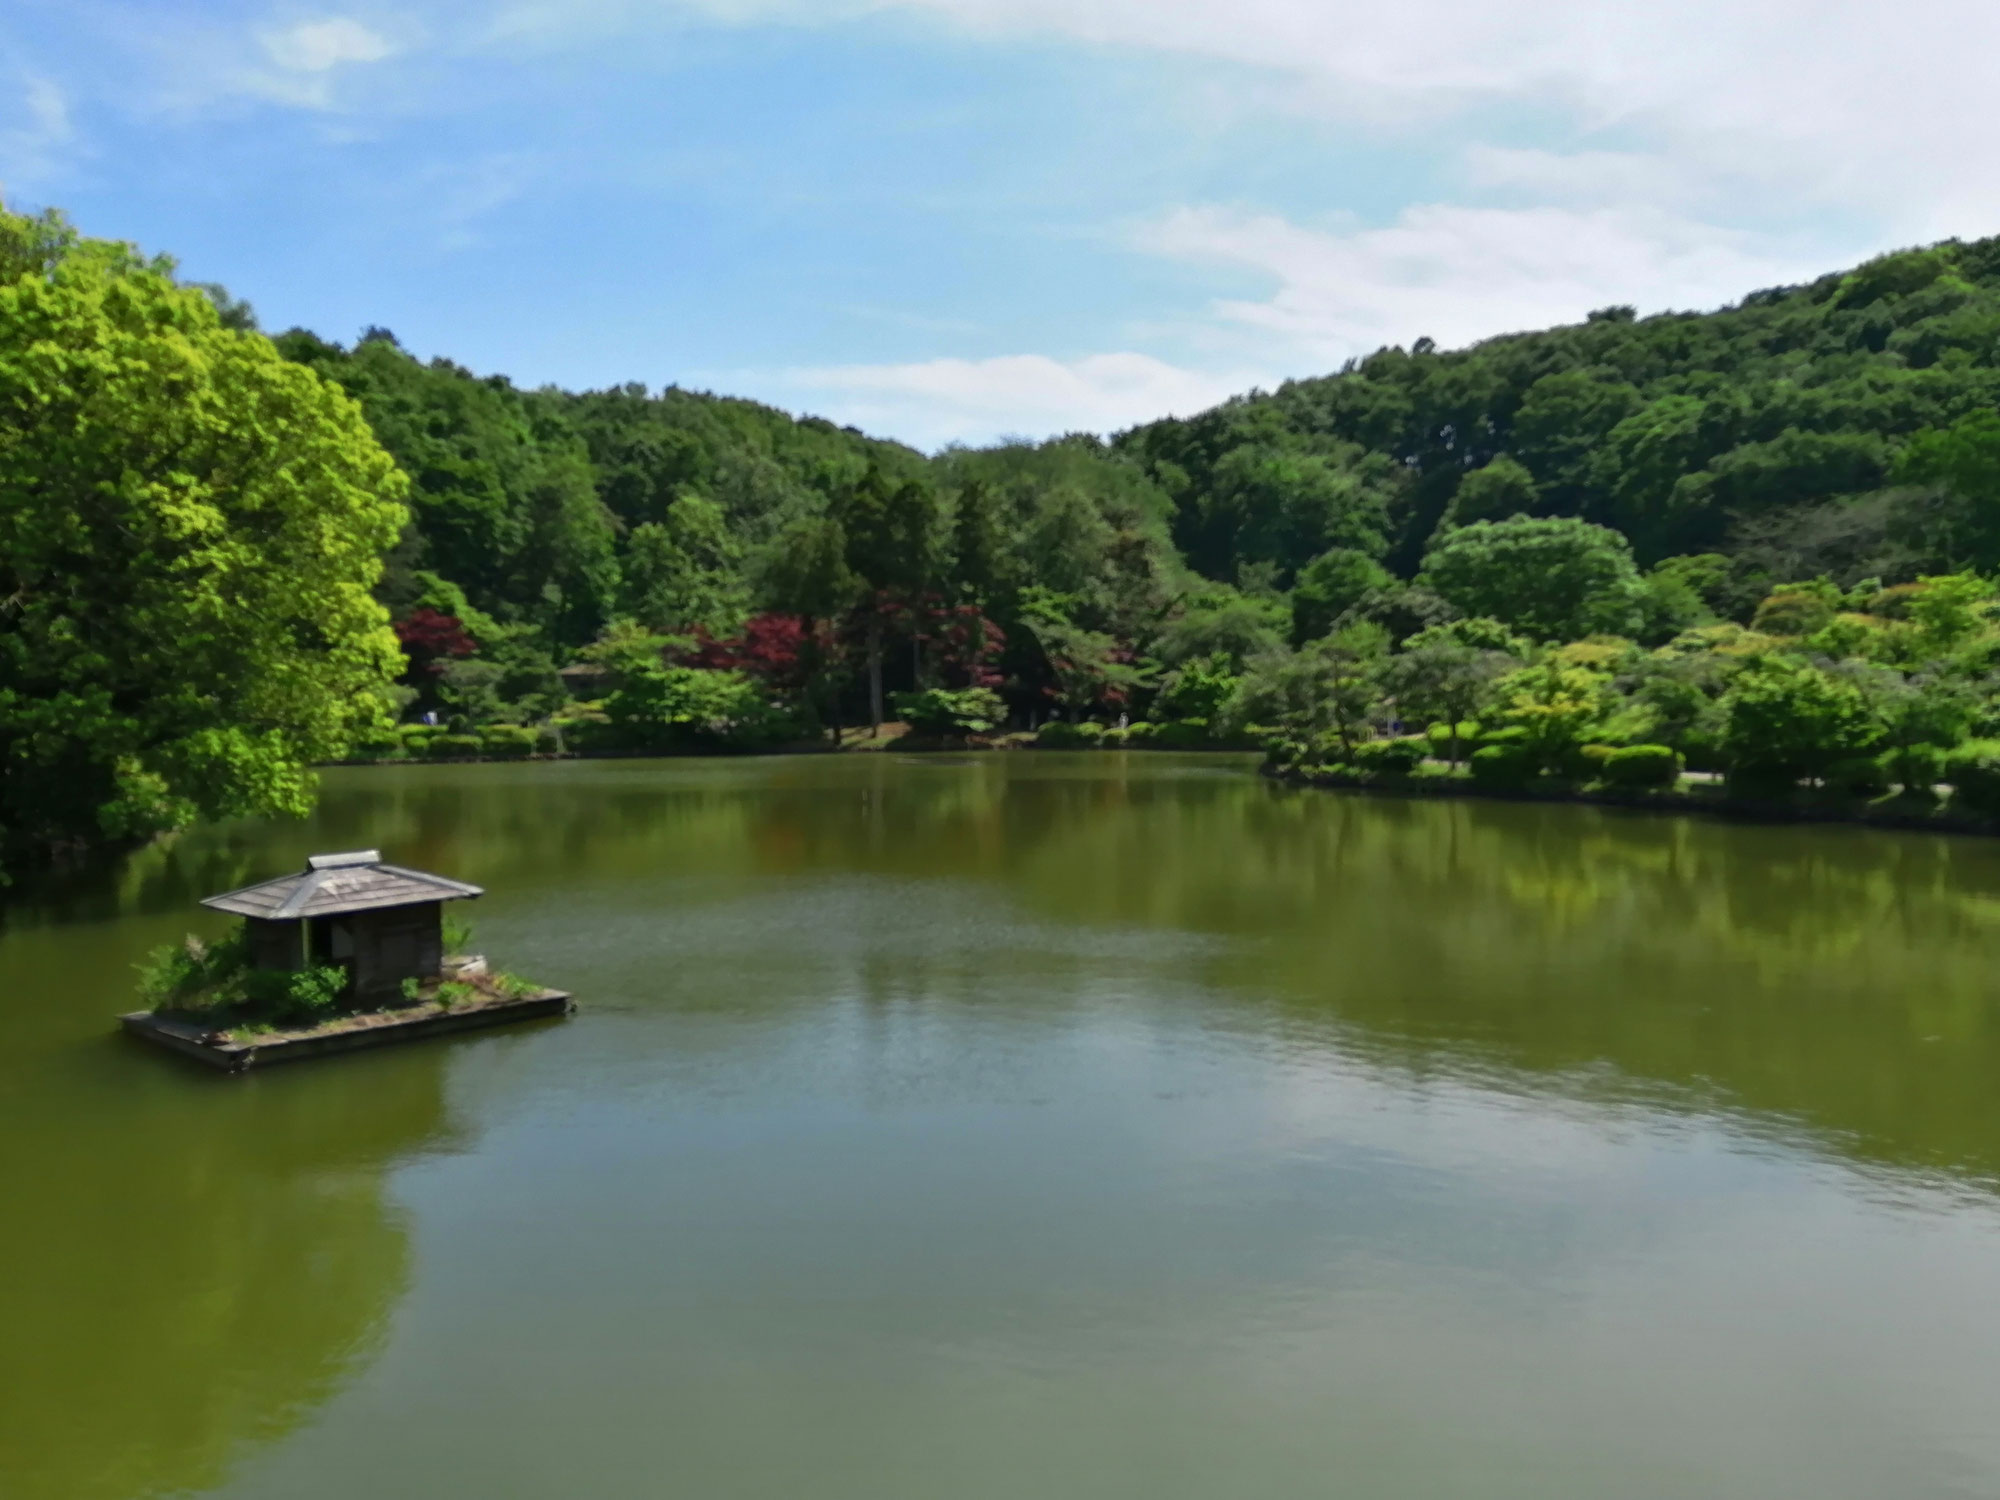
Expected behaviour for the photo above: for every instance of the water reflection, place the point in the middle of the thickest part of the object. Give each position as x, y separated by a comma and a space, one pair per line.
826, 977
1824, 980
191, 1264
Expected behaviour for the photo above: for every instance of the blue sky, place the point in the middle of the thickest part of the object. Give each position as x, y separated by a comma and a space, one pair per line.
947, 220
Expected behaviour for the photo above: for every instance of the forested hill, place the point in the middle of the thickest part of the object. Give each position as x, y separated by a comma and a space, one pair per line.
560, 509
217, 569
1771, 429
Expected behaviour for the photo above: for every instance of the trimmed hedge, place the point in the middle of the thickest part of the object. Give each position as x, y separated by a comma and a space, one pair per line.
512, 741
452, 746
1392, 757
1060, 734
1641, 765
1502, 765
381, 746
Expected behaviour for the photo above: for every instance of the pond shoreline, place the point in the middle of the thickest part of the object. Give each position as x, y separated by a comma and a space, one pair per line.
905, 745
1897, 814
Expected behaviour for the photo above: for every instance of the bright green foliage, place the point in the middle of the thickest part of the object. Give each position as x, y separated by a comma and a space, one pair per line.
1197, 690
1787, 718
1553, 708
190, 528
664, 708
1949, 610
1550, 579
215, 981
938, 711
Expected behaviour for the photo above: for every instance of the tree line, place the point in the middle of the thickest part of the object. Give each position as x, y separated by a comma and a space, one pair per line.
231, 556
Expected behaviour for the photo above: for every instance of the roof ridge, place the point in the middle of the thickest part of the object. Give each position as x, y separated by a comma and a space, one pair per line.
428, 878
307, 888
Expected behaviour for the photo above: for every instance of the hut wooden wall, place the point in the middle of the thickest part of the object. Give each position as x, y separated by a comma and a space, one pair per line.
405, 942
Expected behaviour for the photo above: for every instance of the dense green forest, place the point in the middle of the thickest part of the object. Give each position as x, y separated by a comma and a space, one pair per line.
1623, 533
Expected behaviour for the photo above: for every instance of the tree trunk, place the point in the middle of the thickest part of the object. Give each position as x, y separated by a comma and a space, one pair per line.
875, 674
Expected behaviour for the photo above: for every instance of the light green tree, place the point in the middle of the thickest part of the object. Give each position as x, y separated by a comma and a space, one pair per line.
190, 527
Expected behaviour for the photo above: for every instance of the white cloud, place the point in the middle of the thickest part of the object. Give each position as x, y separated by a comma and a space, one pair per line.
1456, 274
939, 401
1842, 103
1669, 155
31, 150
320, 46
1452, 273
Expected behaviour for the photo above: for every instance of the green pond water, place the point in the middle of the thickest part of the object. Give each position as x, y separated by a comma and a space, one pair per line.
1032, 1125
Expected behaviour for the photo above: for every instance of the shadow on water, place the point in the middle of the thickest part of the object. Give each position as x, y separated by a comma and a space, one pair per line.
194, 1263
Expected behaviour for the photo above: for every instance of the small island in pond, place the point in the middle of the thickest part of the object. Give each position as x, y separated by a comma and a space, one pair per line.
348, 953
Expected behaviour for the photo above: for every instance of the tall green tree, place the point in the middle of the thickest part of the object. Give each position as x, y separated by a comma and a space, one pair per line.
190, 527
1554, 578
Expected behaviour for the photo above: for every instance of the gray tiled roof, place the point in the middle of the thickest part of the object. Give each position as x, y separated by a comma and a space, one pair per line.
333, 884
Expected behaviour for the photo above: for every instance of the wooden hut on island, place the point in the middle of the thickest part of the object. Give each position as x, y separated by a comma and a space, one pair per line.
382, 923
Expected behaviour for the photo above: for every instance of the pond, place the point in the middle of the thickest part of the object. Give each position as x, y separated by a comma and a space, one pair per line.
993, 1126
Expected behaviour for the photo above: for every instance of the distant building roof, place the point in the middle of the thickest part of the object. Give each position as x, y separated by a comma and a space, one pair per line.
333, 884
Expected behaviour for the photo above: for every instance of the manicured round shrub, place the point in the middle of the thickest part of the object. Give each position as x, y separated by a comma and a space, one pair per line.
511, 741
1392, 757
1856, 776
1513, 734
1501, 765
382, 745
549, 740
453, 746
1973, 770
592, 729
1642, 765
